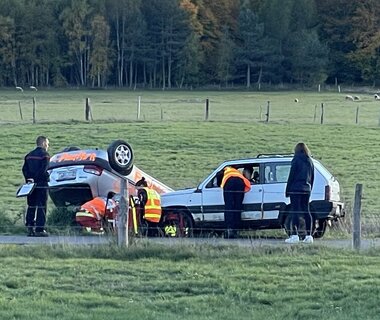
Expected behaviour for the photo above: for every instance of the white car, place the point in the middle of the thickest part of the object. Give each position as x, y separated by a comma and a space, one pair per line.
265, 205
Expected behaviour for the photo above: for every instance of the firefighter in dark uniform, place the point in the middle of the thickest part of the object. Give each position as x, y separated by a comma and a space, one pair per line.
234, 185
35, 171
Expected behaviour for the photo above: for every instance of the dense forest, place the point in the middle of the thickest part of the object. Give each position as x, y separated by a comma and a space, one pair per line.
188, 43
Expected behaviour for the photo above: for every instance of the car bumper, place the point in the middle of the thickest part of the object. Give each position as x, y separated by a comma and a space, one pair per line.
330, 210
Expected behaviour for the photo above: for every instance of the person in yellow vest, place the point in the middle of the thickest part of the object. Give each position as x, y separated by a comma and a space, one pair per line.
150, 204
234, 185
92, 214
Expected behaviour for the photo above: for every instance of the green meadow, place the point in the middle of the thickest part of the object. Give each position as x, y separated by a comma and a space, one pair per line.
188, 282
172, 142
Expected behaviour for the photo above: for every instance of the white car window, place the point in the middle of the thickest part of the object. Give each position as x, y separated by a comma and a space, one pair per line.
276, 172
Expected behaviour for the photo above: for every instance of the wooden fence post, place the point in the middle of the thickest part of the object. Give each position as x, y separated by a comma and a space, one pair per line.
34, 109
88, 112
207, 109
356, 234
138, 107
322, 112
315, 113
268, 110
122, 219
357, 115
19, 108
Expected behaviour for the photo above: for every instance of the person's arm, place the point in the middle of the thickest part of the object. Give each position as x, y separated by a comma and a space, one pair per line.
143, 197
312, 174
42, 168
290, 178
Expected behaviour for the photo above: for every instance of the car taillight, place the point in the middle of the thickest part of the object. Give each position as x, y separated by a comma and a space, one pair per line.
93, 170
327, 193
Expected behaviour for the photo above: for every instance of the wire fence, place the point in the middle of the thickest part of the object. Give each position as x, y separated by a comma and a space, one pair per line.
235, 107
61, 221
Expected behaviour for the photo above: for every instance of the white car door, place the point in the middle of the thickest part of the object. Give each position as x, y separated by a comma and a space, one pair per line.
275, 179
213, 203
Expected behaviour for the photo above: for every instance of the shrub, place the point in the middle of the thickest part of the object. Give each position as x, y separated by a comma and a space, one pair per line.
62, 219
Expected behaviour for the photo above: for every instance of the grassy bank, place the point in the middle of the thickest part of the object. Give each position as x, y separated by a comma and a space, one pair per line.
190, 282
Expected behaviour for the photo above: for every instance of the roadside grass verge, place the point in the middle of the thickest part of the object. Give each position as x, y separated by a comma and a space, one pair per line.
188, 282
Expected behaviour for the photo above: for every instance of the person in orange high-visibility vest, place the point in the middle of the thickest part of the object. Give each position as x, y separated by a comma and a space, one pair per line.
150, 204
234, 185
92, 213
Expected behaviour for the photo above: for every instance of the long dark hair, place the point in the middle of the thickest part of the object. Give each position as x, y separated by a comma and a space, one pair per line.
302, 148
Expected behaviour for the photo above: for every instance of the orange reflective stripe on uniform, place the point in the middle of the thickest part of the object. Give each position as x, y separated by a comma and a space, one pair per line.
152, 206
232, 172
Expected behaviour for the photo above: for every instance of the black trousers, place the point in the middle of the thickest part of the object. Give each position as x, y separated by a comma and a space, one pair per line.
36, 213
299, 203
233, 193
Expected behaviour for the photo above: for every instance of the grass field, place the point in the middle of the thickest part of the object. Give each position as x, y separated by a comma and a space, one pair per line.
120, 105
153, 282
191, 282
181, 149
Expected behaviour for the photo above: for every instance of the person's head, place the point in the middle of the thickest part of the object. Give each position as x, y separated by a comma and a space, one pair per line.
247, 172
141, 183
302, 148
110, 195
42, 142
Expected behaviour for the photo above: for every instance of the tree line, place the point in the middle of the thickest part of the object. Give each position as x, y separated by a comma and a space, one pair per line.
188, 43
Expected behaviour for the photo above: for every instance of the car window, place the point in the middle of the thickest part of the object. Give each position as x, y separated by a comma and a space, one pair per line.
254, 179
276, 172
215, 181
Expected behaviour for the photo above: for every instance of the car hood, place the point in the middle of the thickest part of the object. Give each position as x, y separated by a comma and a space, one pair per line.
178, 193
174, 198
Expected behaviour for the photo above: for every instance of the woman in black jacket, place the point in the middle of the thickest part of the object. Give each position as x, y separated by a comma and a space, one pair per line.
298, 188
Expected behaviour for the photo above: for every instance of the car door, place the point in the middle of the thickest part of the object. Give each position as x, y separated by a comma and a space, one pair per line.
275, 176
213, 202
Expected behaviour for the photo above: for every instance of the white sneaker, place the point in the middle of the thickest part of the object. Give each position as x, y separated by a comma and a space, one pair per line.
293, 239
308, 239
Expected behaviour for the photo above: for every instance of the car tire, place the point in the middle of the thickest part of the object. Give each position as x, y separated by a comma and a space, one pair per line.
177, 224
120, 157
320, 228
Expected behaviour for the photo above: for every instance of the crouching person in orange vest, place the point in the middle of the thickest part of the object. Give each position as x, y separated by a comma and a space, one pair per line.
94, 214
149, 205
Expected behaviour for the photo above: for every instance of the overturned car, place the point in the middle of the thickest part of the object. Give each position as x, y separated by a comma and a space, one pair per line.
78, 176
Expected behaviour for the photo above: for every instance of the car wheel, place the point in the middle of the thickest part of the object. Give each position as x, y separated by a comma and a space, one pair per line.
120, 157
177, 224
320, 228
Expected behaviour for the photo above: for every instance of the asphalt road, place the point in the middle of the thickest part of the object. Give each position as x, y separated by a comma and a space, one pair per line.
101, 240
